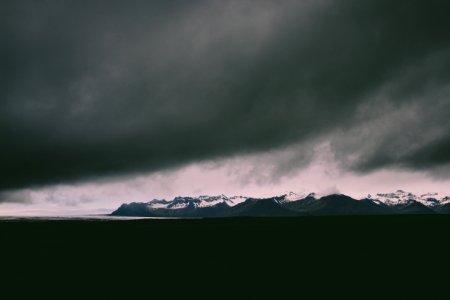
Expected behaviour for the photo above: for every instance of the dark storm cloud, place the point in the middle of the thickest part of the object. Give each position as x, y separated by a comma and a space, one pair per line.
111, 88
403, 124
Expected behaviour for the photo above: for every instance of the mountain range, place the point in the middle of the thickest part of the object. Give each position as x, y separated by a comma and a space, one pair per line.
290, 204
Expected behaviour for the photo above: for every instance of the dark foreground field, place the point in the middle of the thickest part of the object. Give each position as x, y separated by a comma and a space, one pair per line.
332, 255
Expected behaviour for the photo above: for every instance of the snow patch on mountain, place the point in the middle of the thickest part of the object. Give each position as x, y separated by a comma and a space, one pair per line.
232, 201
290, 196
156, 203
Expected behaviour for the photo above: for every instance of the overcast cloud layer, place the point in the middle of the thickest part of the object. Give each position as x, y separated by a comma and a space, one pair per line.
94, 89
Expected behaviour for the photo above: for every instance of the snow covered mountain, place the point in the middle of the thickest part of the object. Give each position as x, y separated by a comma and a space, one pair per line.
289, 204
401, 197
209, 201
195, 202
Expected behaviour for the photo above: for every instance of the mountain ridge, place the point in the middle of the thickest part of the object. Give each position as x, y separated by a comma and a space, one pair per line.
290, 204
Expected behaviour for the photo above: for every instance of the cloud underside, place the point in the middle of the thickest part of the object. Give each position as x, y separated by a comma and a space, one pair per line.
102, 89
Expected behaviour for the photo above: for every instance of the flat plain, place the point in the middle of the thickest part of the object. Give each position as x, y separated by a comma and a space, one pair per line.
336, 254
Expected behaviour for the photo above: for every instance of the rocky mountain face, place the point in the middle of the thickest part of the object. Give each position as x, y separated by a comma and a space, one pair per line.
290, 204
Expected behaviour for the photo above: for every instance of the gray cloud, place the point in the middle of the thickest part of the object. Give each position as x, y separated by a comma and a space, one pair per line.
93, 90
411, 131
63, 199
23, 197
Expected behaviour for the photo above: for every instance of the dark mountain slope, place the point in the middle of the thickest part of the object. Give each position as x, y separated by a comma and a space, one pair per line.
413, 207
341, 205
444, 209
261, 208
301, 204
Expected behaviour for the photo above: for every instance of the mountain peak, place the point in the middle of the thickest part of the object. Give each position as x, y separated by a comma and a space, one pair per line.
291, 196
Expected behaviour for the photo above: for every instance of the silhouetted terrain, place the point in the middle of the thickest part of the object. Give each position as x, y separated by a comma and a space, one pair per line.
331, 255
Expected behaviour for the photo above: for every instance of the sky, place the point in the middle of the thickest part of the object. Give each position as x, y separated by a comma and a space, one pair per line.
109, 102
